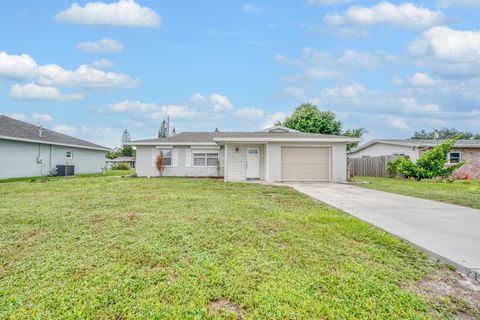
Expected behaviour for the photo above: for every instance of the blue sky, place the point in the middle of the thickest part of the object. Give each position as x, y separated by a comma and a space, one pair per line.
92, 69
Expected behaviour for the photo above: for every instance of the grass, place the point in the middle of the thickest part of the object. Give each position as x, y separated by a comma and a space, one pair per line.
108, 173
172, 248
462, 193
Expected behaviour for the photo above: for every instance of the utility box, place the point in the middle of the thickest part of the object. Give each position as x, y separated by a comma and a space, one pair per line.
64, 170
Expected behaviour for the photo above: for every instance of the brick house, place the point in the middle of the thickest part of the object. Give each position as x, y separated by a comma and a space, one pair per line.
467, 151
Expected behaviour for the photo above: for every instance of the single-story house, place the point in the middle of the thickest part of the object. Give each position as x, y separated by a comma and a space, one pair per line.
467, 151
128, 160
274, 154
27, 150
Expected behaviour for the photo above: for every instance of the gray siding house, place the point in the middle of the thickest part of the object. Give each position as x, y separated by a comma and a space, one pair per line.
274, 154
27, 150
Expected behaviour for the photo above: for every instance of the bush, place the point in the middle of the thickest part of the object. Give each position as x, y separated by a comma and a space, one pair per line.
121, 166
430, 165
393, 167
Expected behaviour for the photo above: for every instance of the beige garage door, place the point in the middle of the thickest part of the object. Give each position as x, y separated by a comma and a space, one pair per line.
305, 164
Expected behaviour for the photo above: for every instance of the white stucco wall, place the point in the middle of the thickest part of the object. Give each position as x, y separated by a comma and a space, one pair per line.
19, 159
383, 149
145, 168
338, 161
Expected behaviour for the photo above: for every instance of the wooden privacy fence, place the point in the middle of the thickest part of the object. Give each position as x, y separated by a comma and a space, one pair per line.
369, 166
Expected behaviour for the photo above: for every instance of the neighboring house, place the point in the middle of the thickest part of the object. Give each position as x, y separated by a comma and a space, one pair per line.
274, 154
128, 160
467, 151
28, 150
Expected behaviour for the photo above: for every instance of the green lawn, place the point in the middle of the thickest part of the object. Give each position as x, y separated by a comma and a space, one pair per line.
129, 248
40, 178
458, 192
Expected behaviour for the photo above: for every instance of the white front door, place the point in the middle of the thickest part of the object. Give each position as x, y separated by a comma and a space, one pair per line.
253, 163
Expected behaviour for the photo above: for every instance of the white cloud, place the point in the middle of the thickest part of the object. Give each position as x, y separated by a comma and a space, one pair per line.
62, 128
153, 109
273, 118
411, 105
220, 103
52, 75
42, 117
124, 13
327, 2
458, 3
448, 45
405, 15
32, 91
423, 80
320, 65
249, 113
350, 91
17, 66
84, 76
251, 8
397, 122
449, 53
132, 106
198, 98
103, 63
104, 45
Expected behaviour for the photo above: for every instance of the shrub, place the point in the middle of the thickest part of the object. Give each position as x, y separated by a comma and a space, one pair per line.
121, 166
393, 167
430, 165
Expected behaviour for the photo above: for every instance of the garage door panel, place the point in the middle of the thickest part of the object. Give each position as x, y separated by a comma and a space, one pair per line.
305, 164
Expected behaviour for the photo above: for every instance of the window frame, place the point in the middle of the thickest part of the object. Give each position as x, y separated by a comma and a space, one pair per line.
450, 157
69, 153
160, 150
204, 155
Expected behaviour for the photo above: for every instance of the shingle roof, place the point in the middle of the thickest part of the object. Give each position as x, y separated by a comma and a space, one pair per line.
427, 142
18, 130
208, 137
419, 143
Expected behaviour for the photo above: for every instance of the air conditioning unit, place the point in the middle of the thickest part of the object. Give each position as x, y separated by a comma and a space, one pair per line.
39, 159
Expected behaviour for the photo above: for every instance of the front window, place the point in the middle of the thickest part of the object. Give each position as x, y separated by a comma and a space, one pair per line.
167, 156
205, 159
454, 157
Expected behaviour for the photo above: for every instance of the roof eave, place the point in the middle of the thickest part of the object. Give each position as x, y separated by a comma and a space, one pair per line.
330, 140
167, 143
53, 143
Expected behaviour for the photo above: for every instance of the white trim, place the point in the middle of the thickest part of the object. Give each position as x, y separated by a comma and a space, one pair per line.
278, 127
53, 143
157, 143
174, 156
459, 157
205, 152
225, 163
188, 157
260, 140
259, 160
164, 147
215, 147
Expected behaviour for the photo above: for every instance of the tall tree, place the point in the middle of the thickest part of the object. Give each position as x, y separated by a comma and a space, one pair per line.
444, 133
307, 118
355, 133
125, 137
127, 151
163, 131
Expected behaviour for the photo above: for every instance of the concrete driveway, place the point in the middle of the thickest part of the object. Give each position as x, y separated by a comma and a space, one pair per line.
448, 232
